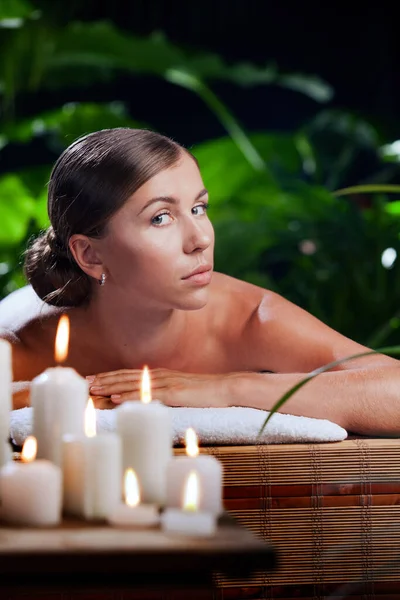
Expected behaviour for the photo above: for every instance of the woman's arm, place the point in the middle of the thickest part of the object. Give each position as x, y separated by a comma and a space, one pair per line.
21, 394
22, 363
365, 401
362, 395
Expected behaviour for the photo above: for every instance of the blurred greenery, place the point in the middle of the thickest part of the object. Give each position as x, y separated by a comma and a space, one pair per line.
279, 222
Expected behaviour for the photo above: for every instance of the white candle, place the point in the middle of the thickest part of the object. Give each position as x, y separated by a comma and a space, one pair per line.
189, 521
31, 491
146, 432
131, 513
209, 470
5, 398
92, 471
58, 398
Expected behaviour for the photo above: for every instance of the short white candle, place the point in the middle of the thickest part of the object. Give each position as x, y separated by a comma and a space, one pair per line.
131, 513
146, 432
58, 397
5, 398
31, 491
91, 471
189, 521
209, 470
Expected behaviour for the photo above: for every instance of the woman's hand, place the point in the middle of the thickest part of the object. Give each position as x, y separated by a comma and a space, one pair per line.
172, 388
102, 402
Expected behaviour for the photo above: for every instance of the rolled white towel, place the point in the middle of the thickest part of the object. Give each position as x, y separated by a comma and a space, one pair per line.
216, 426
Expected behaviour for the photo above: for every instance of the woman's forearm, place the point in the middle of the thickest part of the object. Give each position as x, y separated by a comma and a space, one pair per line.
365, 401
21, 394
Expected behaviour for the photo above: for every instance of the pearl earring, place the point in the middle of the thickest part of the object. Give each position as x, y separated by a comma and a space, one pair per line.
102, 280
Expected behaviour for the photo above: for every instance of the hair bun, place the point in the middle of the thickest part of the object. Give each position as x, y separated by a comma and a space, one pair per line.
53, 273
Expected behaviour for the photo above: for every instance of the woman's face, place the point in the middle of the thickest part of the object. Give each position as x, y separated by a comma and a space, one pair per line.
159, 237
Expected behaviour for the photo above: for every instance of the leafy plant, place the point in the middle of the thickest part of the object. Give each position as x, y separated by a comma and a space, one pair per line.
279, 222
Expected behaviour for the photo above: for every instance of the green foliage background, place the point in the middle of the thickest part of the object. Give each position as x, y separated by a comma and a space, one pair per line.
281, 220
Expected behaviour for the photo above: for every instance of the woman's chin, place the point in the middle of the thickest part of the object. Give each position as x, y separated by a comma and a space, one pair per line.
195, 300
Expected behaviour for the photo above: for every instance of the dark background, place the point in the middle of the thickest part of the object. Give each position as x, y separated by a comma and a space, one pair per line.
353, 49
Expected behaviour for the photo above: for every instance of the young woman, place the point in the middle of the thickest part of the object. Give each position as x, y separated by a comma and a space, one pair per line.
129, 257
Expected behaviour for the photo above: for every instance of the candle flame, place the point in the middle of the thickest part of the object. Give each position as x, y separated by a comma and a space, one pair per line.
90, 419
29, 449
132, 493
191, 492
192, 447
145, 390
62, 339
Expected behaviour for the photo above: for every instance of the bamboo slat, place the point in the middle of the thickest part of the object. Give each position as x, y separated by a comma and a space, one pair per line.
331, 510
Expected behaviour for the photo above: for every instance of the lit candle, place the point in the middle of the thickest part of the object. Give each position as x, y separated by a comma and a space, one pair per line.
91, 470
5, 399
31, 491
209, 471
132, 513
189, 521
146, 432
58, 398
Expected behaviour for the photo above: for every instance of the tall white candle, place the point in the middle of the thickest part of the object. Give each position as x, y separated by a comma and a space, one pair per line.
5, 398
31, 491
146, 432
209, 471
58, 398
92, 471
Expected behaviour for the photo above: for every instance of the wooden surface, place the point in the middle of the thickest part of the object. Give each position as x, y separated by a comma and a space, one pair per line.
105, 555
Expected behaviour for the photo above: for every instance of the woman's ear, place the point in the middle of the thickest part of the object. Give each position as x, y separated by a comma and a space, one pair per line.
84, 252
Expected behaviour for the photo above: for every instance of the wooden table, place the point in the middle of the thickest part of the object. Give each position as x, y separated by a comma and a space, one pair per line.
79, 555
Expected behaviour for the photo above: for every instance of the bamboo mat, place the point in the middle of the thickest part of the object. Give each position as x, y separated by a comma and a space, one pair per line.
331, 510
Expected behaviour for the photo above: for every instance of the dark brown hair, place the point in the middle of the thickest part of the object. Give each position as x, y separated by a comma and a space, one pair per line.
90, 181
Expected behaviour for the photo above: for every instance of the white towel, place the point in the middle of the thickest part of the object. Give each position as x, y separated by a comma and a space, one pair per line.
216, 426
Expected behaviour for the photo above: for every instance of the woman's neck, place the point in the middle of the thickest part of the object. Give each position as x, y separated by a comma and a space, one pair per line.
134, 335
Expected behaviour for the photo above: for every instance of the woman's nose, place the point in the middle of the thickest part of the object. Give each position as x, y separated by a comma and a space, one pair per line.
198, 237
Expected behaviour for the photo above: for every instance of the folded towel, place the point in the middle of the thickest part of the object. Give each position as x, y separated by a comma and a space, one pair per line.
215, 426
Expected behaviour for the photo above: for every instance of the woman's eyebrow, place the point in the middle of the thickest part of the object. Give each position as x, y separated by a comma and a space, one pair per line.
170, 199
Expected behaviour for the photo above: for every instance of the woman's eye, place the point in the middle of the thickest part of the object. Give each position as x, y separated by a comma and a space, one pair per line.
160, 219
201, 207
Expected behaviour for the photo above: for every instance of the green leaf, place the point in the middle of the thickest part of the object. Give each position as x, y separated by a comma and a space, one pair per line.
71, 121
393, 208
17, 208
101, 47
13, 13
226, 174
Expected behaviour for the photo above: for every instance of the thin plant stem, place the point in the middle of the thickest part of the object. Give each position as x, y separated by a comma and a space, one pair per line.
368, 189
323, 369
223, 114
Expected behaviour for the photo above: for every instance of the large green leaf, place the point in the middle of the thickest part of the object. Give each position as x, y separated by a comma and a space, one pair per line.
228, 175
71, 121
13, 12
338, 140
101, 47
17, 208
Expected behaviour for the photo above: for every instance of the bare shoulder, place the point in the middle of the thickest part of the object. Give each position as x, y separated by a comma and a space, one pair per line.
233, 302
32, 346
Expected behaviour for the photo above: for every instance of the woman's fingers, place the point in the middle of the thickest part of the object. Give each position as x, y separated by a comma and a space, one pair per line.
102, 402
123, 381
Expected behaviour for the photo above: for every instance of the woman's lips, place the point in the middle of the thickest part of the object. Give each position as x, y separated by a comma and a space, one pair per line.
203, 278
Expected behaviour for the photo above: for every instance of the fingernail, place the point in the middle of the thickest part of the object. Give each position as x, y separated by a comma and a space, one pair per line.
90, 378
115, 396
96, 388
